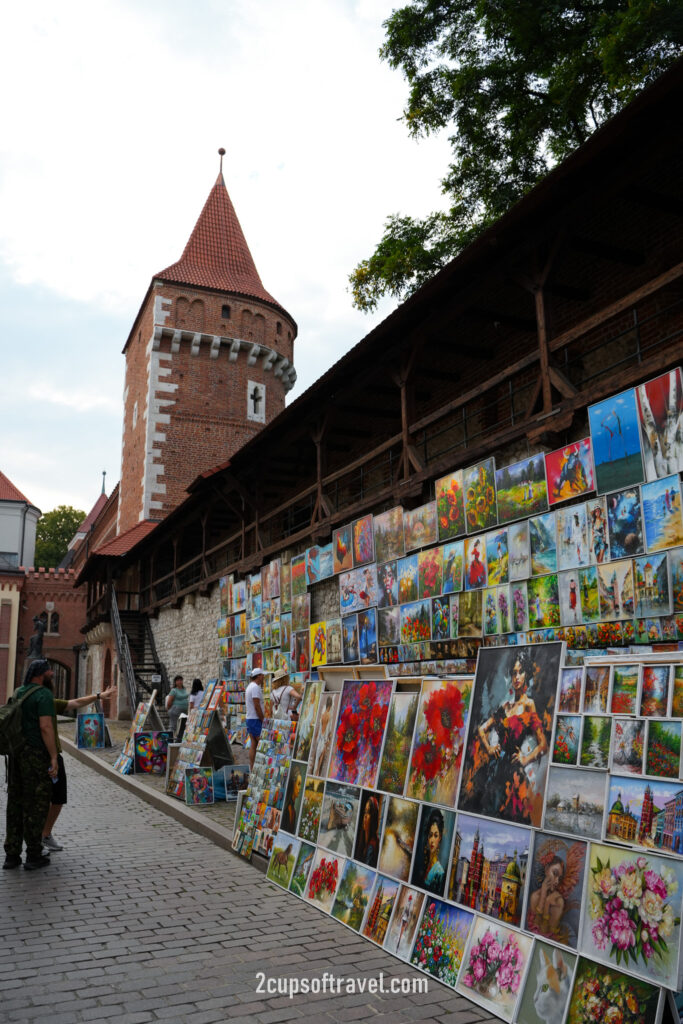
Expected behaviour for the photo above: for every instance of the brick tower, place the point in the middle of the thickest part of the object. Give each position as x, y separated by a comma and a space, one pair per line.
209, 361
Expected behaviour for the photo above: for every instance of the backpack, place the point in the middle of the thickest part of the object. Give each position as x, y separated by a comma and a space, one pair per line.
11, 734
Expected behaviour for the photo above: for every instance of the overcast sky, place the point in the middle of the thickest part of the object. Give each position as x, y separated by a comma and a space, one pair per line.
112, 118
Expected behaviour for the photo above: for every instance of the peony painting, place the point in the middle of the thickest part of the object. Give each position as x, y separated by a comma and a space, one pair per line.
494, 966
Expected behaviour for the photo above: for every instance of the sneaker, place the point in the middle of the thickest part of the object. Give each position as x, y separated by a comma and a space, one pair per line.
51, 844
33, 865
11, 861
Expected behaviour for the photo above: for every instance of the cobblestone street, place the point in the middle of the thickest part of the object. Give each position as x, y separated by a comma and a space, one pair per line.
139, 919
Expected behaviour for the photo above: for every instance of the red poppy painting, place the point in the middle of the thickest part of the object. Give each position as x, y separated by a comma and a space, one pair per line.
363, 711
439, 740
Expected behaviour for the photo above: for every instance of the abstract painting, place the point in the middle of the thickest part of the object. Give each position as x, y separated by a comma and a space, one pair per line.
90, 734
199, 786
570, 471
151, 750
318, 644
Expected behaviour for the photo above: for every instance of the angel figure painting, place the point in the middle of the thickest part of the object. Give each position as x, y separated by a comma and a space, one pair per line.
555, 885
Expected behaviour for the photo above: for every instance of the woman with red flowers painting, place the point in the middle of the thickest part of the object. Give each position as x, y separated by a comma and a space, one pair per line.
510, 743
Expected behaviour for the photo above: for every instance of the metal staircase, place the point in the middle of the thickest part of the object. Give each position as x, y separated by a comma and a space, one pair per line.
137, 653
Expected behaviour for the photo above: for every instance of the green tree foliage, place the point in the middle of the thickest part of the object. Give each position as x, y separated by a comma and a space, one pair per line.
521, 83
54, 532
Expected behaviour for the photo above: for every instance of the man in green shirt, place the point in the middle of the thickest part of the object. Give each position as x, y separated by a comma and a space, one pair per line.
30, 772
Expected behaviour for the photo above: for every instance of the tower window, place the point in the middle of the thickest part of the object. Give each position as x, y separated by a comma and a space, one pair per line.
225, 312
256, 402
278, 328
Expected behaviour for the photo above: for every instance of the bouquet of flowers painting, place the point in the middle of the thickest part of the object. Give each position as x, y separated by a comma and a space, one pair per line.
363, 711
494, 966
440, 940
439, 741
633, 915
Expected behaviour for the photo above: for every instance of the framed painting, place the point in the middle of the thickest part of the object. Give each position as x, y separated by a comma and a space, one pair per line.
323, 734
615, 587
453, 555
416, 622
569, 588
326, 561
475, 563
398, 742
595, 742
308, 714
596, 689
429, 572
338, 818
628, 746
497, 558
293, 796
509, 732
543, 544
645, 936
625, 680
358, 589
651, 582
334, 641
388, 626
407, 579
663, 751
419, 526
470, 614
323, 880
353, 895
302, 869
616, 442
479, 483
380, 908
598, 534
283, 860
519, 551
572, 537
567, 739
625, 523
388, 529
519, 606
575, 802
342, 549
363, 541
363, 711
404, 920
350, 638
439, 740
677, 701
387, 583
311, 809
285, 586
493, 967
440, 940
454, 608
367, 636
544, 601
548, 985
570, 471
632, 816
318, 645
90, 734
660, 412
199, 786
366, 850
150, 751
479, 878
590, 594
569, 690
301, 650
450, 506
654, 695
556, 877
441, 619
301, 612
661, 503
312, 565
398, 837
521, 489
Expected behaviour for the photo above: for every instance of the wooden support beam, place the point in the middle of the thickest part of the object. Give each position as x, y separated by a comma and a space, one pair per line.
561, 383
542, 328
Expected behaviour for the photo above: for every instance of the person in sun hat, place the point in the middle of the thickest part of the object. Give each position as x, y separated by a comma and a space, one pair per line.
286, 698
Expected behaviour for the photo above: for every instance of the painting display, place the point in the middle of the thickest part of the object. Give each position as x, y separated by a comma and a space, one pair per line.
380, 909
569, 471
90, 733
358, 589
508, 739
573, 548
439, 739
151, 749
387, 582
429, 573
398, 837
651, 582
654, 697
199, 786
613, 995
575, 802
283, 860
419, 526
494, 966
491, 883
366, 850
311, 809
363, 541
323, 879
616, 442
660, 410
570, 690
401, 931
363, 711
338, 818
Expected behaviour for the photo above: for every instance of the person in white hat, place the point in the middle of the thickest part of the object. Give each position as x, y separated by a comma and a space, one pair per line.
286, 698
255, 714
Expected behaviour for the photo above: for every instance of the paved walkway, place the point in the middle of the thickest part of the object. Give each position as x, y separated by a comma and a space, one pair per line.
140, 920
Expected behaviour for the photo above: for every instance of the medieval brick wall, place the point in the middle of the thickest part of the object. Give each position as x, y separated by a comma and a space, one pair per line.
186, 638
51, 592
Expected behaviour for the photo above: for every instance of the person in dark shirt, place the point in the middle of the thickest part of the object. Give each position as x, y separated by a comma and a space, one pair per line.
31, 771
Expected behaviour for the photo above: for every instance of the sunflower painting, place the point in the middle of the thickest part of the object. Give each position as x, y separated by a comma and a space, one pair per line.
439, 739
363, 711
481, 510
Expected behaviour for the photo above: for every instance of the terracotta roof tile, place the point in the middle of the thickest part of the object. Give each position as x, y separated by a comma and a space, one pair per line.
217, 254
125, 541
93, 514
8, 492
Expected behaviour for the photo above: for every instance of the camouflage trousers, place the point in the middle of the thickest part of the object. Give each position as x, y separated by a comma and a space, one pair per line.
28, 800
